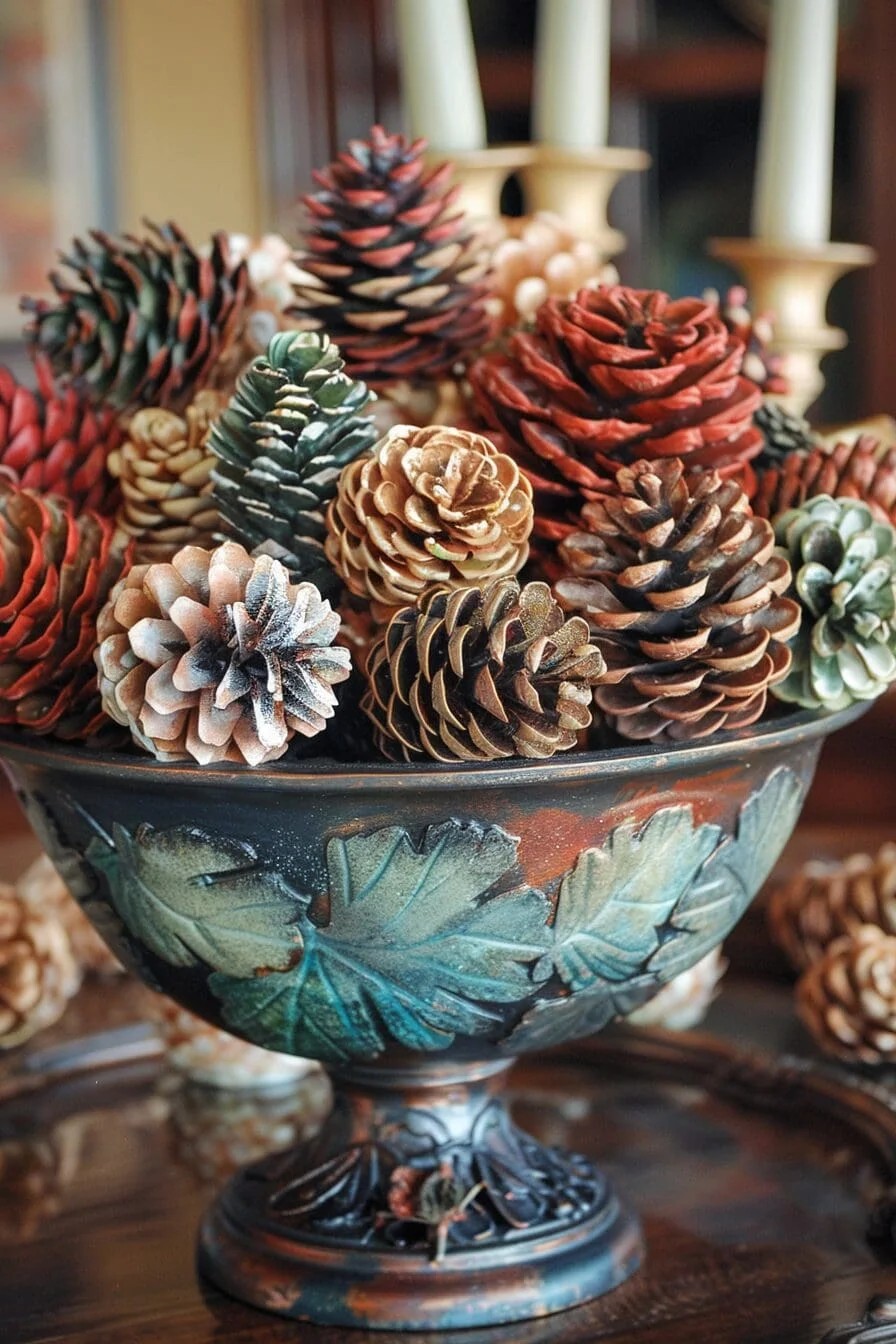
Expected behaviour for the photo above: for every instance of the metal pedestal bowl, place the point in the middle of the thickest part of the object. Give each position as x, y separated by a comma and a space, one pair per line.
415, 928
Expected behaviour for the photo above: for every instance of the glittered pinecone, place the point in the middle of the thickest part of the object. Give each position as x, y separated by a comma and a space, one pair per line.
760, 365
683, 592
56, 443
610, 377
684, 1002
824, 900
56, 571
479, 674
38, 974
44, 890
863, 470
537, 258
844, 575
783, 433
847, 998
398, 274
430, 506
291, 426
218, 657
140, 321
165, 470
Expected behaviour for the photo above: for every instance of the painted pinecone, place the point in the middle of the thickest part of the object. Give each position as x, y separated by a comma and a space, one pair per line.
823, 901
683, 592
38, 974
165, 470
610, 377
782, 432
41, 887
430, 506
56, 443
218, 657
536, 258
478, 674
56, 571
756, 334
140, 321
844, 575
398, 274
847, 998
864, 470
291, 426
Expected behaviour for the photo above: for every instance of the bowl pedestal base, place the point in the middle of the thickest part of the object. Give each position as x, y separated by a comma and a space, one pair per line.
420, 1205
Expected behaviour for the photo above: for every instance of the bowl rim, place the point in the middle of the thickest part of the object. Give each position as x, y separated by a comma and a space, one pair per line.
325, 774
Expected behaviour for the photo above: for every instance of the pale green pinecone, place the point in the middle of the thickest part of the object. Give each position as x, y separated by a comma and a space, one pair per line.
291, 426
844, 576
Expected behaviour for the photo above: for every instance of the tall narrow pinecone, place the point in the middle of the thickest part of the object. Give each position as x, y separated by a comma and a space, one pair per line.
38, 974
140, 321
56, 571
609, 377
291, 426
56, 443
479, 674
429, 506
823, 901
863, 470
844, 575
398, 273
683, 591
165, 470
847, 998
218, 657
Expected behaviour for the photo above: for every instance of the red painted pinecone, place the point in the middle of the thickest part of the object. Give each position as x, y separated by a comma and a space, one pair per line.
864, 470
56, 443
56, 571
476, 674
682, 588
398, 274
610, 377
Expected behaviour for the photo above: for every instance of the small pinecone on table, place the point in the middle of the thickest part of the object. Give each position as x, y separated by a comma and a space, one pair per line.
683, 591
398, 276
480, 674
56, 571
783, 433
165, 470
430, 506
44, 890
291, 426
844, 575
847, 998
140, 321
38, 974
610, 377
218, 657
863, 470
56, 443
823, 901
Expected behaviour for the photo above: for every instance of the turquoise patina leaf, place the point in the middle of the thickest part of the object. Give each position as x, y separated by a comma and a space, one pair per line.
420, 945
553, 1021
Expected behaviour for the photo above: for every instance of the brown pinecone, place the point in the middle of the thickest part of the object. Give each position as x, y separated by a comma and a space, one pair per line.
165, 469
823, 901
218, 657
479, 674
847, 998
398, 274
44, 890
56, 572
615, 375
429, 506
682, 588
38, 974
864, 470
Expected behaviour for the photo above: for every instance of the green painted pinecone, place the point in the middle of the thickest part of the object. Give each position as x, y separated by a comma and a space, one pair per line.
141, 321
844, 575
293, 423
476, 674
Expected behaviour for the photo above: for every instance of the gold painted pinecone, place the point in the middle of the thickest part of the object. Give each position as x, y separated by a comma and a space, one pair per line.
847, 998
682, 589
38, 974
863, 470
44, 890
165, 469
478, 674
824, 901
432, 506
218, 657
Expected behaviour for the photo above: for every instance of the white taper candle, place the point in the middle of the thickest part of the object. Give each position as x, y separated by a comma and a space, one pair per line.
571, 96
439, 79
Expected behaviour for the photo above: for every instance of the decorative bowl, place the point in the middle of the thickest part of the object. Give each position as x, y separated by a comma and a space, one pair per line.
415, 928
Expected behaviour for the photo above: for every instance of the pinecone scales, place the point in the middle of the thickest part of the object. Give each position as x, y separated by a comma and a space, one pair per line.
864, 470
847, 998
683, 592
480, 674
826, 901
38, 974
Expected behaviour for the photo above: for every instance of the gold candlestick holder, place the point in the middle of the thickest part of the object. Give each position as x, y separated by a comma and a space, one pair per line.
792, 283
